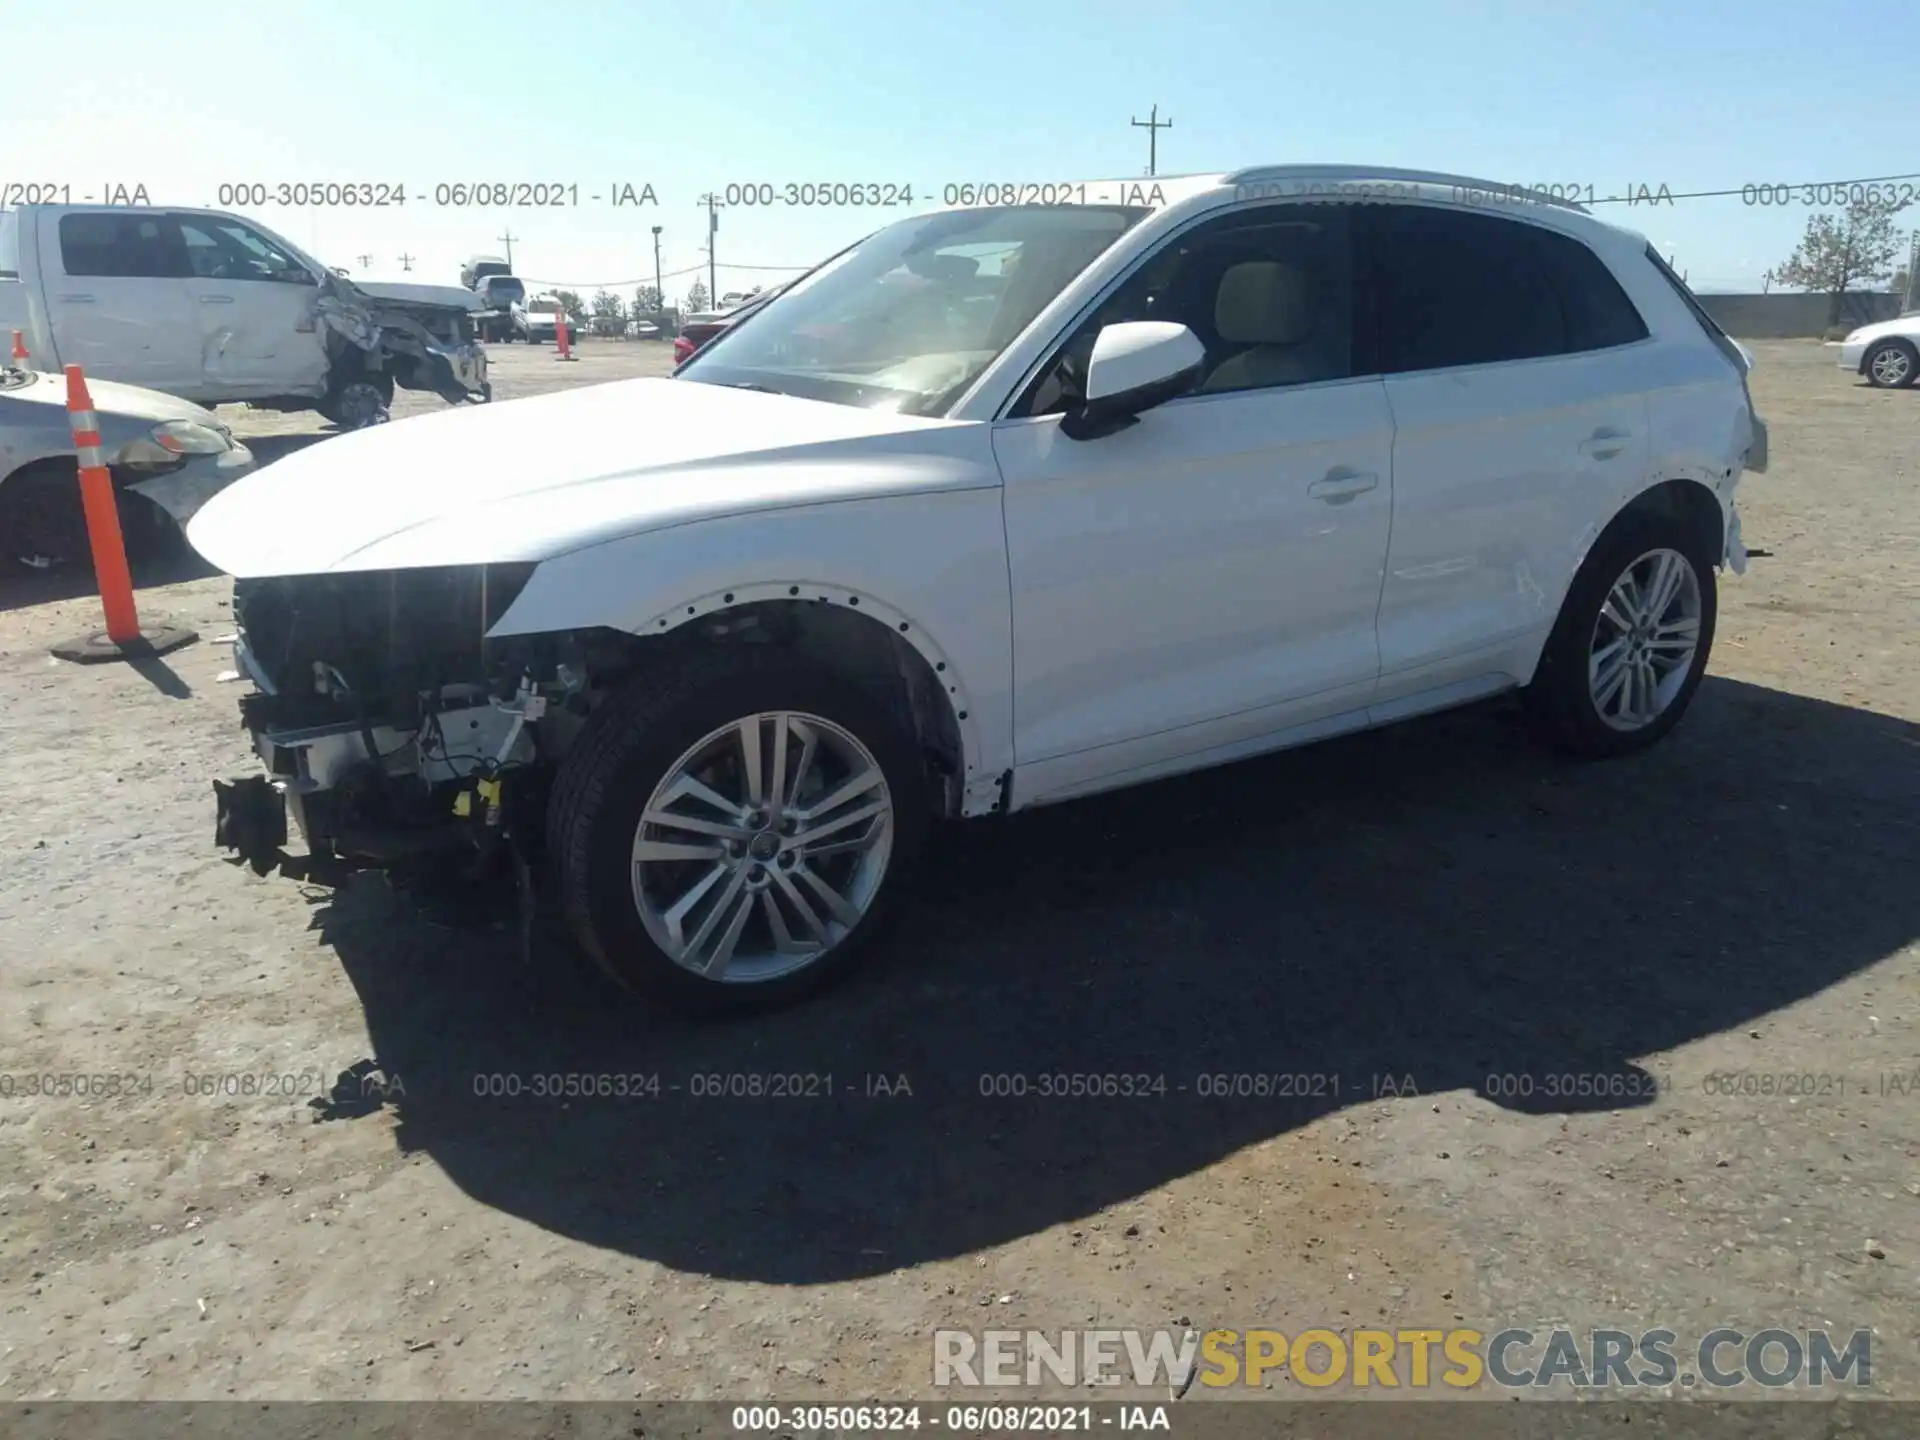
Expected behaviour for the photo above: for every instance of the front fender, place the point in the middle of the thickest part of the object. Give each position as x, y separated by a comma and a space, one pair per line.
932, 567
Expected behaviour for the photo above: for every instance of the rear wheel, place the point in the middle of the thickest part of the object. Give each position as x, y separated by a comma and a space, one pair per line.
734, 834
1631, 643
1892, 364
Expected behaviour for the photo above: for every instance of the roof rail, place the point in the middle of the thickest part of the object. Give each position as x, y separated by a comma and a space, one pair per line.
1254, 174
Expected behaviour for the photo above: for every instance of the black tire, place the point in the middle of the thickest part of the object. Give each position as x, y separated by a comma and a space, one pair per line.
343, 404
41, 520
1559, 700
1892, 350
622, 755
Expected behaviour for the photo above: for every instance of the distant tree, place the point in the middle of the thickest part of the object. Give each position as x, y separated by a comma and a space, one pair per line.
646, 301
1847, 251
607, 306
697, 297
571, 302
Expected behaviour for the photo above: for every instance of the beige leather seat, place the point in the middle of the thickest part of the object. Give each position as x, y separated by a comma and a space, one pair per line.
1268, 306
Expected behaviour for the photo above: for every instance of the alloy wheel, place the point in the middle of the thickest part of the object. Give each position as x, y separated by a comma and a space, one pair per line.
1644, 640
1890, 366
762, 848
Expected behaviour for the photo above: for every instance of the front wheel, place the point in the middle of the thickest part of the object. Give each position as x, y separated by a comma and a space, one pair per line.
1892, 364
1631, 643
734, 833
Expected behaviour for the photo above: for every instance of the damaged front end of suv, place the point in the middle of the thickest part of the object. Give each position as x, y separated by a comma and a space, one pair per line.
392, 730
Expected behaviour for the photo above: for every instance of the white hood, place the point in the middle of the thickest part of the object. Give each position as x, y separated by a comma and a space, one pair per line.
530, 479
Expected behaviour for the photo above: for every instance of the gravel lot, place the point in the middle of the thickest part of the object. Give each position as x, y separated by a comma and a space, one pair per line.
1437, 903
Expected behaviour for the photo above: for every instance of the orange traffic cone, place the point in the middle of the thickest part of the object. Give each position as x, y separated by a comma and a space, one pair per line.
123, 638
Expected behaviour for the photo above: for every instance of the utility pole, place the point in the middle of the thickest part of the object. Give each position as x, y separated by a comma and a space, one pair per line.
712, 202
659, 295
509, 237
365, 260
406, 262
1153, 125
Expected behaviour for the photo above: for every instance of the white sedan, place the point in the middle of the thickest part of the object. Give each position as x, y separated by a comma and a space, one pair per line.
1887, 353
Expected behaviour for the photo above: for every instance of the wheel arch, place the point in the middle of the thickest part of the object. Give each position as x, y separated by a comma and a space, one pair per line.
1684, 498
864, 637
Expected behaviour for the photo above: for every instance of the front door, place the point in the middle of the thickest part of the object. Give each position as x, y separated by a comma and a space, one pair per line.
254, 305
1204, 583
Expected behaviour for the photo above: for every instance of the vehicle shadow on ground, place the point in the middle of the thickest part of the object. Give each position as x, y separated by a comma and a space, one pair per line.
1439, 900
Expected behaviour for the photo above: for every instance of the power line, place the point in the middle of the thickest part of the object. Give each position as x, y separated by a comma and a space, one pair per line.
669, 275
1749, 187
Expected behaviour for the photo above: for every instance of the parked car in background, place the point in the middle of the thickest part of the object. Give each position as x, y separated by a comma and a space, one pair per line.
168, 455
1237, 468
537, 320
643, 330
213, 308
696, 330
498, 295
1887, 353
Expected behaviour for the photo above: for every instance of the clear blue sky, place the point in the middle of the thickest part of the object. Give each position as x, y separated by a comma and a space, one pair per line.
692, 97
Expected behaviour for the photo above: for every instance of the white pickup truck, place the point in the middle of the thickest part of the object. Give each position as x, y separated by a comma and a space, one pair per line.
213, 308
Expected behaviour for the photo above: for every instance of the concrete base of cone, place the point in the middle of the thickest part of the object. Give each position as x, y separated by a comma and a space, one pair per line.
95, 648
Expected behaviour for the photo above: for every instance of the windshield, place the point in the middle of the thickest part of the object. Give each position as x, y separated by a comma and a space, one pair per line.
544, 307
910, 316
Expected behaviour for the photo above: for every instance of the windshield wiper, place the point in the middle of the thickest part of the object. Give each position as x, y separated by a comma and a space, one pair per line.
749, 385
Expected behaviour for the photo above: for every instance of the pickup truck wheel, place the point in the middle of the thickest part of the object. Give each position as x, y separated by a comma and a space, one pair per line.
1892, 364
1631, 643
358, 401
734, 833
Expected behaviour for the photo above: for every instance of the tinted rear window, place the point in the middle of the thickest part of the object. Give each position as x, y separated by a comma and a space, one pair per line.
1441, 289
125, 246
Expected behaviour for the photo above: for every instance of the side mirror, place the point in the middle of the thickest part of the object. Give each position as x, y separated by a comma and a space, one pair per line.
1134, 366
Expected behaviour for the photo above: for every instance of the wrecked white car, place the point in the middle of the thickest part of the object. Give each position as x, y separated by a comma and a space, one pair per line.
170, 453
212, 308
999, 507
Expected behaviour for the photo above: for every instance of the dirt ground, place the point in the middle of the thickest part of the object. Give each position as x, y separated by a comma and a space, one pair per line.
1429, 906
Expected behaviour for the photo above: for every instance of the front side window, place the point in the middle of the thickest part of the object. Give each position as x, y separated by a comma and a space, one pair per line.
908, 318
1268, 292
229, 250
123, 246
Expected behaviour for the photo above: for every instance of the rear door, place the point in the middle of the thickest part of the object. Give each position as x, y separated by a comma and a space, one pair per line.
117, 300
1513, 368
254, 311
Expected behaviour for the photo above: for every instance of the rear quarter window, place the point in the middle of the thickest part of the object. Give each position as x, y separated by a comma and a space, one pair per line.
1721, 340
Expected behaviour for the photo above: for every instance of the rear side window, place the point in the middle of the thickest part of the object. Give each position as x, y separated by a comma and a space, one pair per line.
120, 246
1443, 289
1721, 340
1440, 289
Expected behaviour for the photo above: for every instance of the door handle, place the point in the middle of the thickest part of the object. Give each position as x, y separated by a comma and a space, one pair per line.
76, 299
216, 299
1604, 444
1338, 486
